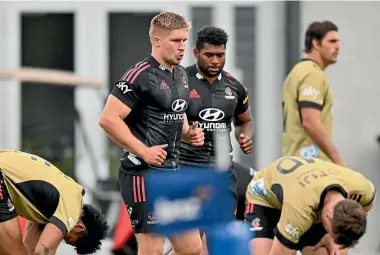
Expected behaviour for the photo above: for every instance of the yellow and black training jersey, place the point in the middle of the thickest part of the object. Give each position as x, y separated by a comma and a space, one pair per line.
298, 186
305, 86
41, 192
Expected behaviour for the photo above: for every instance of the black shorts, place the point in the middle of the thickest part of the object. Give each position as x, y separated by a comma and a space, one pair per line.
133, 192
243, 179
7, 209
265, 220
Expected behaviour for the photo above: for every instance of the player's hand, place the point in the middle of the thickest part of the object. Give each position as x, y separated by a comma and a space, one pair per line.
246, 144
155, 155
195, 135
328, 242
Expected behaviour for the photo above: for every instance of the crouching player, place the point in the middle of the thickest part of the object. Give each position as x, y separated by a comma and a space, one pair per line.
51, 202
310, 205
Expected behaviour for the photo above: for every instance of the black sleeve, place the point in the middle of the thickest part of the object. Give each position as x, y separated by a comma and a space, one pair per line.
129, 91
308, 104
243, 103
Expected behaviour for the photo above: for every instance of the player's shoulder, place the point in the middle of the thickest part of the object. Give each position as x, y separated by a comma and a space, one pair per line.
182, 69
232, 80
191, 70
306, 67
4, 154
138, 71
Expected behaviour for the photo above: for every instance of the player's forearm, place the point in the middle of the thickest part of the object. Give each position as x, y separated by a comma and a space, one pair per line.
41, 249
319, 135
245, 128
120, 134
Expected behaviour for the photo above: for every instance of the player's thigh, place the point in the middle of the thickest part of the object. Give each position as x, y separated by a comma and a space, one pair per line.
243, 178
132, 188
204, 245
311, 238
150, 243
10, 231
308, 250
187, 243
263, 220
33, 233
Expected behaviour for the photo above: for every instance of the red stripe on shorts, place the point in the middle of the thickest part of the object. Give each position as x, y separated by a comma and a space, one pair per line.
249, 208
138, 188
134, 189
143, 189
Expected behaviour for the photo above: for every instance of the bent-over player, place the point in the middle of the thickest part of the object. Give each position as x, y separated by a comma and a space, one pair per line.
51, 202
296, 203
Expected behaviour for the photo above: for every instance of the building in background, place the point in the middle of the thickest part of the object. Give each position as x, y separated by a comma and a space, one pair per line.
101, 39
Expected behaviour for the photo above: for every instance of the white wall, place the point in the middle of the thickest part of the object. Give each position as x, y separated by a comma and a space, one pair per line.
355, 82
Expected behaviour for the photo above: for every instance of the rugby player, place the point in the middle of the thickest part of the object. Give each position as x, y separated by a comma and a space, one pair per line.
216, 100
145, 116
307, 97
51, 202
296, 203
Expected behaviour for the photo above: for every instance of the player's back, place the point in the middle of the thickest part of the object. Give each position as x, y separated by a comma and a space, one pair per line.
305, 86
24, 167
38, 189
304, 182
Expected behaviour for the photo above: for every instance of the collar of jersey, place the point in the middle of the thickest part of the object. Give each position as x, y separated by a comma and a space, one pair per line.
157, 64
309, 59
200, 77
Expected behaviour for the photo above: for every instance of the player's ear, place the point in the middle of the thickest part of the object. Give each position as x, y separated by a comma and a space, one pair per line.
329, 215
196, 53
156, 41
80, 227
316, 44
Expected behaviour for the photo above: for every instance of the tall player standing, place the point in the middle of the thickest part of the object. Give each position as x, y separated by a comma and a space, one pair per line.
307, 97
145, 116
216, 100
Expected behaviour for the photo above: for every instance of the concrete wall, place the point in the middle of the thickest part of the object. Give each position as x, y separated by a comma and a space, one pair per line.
356, 87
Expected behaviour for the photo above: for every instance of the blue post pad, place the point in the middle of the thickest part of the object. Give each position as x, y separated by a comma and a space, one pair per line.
188, 199
229, 239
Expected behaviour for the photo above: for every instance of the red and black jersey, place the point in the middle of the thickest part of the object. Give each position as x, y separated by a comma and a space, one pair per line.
214, 107
158, 99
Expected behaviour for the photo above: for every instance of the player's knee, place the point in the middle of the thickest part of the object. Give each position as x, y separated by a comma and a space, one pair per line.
191, 251
194, 249
149, 244
146, 250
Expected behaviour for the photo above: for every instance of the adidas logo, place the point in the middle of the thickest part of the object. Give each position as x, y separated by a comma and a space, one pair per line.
164, 85
194, 94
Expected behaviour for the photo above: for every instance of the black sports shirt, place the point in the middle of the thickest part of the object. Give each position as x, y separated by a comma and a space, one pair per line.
158, 99
214, 107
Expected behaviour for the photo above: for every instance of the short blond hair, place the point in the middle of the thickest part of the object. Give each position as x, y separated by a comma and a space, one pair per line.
168, 21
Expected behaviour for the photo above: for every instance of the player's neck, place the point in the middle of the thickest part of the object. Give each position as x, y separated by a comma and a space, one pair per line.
211, 80
317, 59
160, 60
333, 197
